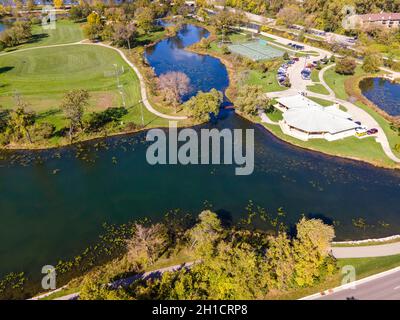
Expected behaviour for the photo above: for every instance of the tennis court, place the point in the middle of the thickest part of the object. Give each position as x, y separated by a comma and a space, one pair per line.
256, 50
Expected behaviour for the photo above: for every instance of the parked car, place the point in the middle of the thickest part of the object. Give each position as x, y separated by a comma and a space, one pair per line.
372, 131
361, 134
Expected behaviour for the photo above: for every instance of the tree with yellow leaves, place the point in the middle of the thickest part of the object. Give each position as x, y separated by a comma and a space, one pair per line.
58, 3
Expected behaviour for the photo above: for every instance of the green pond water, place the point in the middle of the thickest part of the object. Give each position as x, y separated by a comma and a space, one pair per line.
53, 203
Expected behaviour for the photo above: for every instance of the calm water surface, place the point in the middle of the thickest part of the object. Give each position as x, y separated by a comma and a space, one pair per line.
53, 203
384, 93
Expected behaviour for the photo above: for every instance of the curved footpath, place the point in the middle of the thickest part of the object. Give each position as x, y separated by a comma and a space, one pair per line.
143, 91
300, 85
366, 251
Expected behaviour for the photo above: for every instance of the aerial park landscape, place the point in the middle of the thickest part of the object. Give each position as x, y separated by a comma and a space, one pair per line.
77, 192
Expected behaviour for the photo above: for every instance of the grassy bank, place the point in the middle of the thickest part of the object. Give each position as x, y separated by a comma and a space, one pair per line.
346, 86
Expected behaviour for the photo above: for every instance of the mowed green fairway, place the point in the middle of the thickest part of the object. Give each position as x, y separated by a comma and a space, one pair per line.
42, 76
65, 32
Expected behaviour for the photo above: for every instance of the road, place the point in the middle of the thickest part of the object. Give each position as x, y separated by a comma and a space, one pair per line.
386, 287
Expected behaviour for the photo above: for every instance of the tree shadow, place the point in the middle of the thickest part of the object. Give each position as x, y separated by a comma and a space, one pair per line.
37, 37
5, 69
48, 113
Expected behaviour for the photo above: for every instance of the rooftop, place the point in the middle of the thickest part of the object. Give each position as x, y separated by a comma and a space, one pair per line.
384, 16
309, 116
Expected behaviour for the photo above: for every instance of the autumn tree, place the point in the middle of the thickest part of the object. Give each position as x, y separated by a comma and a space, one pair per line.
20, 120
124, 33
372, 62
58, 3
346, 66
145, 19
73, 106
311, 251
147, 243
251, 99
173, 85
203, 104
280, 262
205, 234
289, 15
94, 26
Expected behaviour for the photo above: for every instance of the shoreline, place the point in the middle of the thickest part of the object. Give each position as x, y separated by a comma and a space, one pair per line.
228, 93
355, 90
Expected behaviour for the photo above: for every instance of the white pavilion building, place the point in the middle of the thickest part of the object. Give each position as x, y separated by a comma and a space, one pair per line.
305, 119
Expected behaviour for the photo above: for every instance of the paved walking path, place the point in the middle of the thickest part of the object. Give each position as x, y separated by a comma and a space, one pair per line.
122, 283
300, 85
380, 250
143, 91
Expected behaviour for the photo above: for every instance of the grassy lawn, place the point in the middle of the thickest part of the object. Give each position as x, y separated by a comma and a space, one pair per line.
364, 149
65, 32
393, 137
364, 267
315, 75
336, 82
275, 116
42, 76
322, 102
267, 81
318, 88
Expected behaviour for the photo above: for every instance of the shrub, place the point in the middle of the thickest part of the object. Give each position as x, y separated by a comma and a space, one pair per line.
225, 49
372, 63
346, 66
41, 131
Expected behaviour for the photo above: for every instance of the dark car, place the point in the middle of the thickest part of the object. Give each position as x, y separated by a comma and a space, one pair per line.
357, 122
372, 131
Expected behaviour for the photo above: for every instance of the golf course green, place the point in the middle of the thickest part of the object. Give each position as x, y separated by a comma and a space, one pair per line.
42, 76
42, 71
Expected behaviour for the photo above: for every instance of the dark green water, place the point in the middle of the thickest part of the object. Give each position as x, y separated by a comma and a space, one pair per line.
46, 216
53, 203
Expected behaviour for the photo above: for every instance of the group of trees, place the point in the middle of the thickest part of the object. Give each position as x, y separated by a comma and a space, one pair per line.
18, 33
326, 14
346, 66
251, 100
21, 124
119, 24
231, 262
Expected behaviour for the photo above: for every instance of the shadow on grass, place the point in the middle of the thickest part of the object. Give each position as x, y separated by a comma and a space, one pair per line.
5, 69
48, 113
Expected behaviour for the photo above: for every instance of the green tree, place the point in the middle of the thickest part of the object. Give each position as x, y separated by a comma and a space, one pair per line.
346, 65
20, 120
280, 262
251, 99
203, 104
145, 19
311, 250
73, 106
372, 62
94, 27
204, 235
